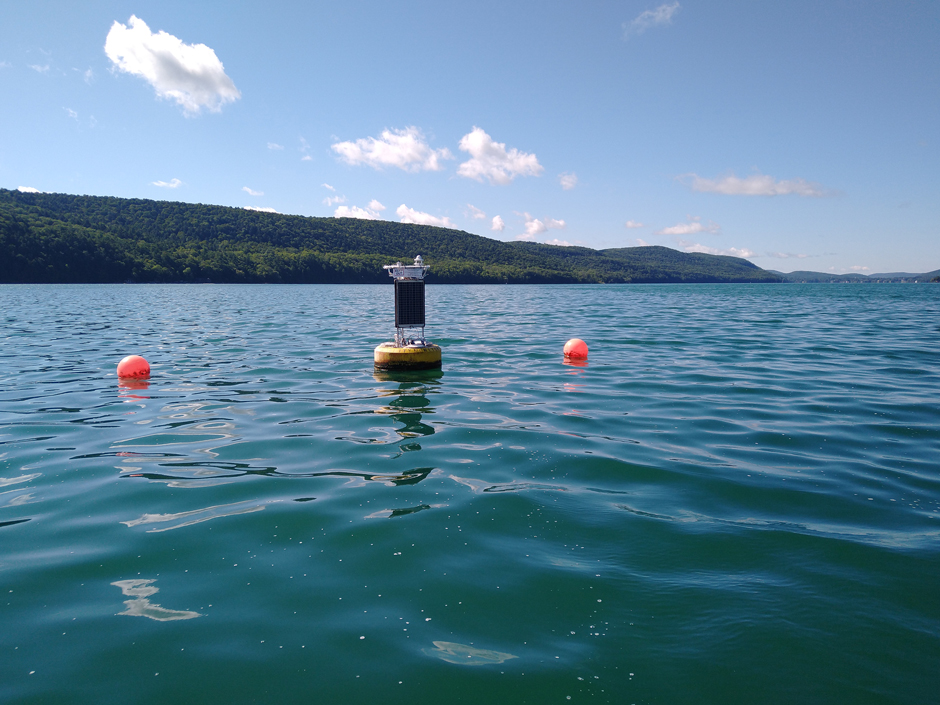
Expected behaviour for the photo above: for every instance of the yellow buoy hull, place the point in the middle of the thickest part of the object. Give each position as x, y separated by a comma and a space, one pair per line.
389, 357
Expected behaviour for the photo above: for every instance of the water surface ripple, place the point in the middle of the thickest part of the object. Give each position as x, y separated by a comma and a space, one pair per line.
736, 500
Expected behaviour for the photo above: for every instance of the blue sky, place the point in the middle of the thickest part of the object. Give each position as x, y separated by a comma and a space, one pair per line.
800, 135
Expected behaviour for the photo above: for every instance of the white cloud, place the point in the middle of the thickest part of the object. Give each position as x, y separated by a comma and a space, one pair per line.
535, 226
475, 213
568, 180
405, 149
27, 189
662, 15
559, 243
859, 268
327, 186
89, 76
756, 185
631, 224
71, 113
275, 146
5, 64
370, 212
304, 148
641, 242
498, 224
333, 200
785, 255
306, 158
251, 192
356, 212
40, 69
190, 74
731, 252
695, 225
491, 160
410, 215
175, 183
262, 210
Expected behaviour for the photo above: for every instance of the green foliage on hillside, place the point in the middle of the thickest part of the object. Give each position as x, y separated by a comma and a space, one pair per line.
60, 238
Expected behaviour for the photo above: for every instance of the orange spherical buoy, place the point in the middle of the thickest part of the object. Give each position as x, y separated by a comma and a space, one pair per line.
576, 349
133, 367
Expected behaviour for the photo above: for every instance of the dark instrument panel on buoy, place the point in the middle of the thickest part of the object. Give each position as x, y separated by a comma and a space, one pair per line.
409, 303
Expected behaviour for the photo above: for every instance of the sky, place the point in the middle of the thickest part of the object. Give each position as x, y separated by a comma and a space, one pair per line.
798, 135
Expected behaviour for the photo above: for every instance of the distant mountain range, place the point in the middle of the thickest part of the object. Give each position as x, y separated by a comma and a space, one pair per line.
904, 277
47, 237
60, 238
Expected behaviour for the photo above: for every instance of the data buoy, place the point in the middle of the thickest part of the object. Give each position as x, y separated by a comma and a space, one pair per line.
420, 356
576, 349
133, 367
409, 350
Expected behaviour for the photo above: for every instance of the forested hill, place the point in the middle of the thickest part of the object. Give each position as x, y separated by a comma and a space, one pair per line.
58, 238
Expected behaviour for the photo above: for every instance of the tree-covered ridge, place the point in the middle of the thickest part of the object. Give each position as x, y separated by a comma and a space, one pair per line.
829, 278
62, 238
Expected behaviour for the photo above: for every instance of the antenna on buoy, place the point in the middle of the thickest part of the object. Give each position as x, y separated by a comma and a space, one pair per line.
410, 350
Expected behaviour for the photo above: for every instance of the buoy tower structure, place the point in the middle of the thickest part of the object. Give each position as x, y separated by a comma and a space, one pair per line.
410, 350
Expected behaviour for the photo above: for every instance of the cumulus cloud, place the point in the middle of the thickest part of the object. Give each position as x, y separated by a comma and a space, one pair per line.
491, 160
260, 209
662, 15
535, 226
498, 225
559, 243
641, 242
475, 213
631, 224
355, 212
756, 185
731, 251
410, 215
27, 189
304, 149
859, 268
190, 74
333, 200
275, 146
405, 149
173, 183
568, 180
371, 212
695, 225
251, 192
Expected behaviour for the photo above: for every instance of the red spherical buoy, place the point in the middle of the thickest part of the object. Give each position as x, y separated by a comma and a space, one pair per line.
133, 367
576, 349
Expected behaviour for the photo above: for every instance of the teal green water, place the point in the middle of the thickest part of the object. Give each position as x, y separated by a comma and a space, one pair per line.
737, 500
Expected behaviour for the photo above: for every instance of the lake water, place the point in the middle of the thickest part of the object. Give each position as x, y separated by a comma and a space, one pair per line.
737, 500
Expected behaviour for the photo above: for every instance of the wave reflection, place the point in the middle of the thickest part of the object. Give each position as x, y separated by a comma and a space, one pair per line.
140, 606
197, 516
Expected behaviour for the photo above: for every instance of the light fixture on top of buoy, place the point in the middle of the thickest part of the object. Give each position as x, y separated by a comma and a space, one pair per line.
409, 350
